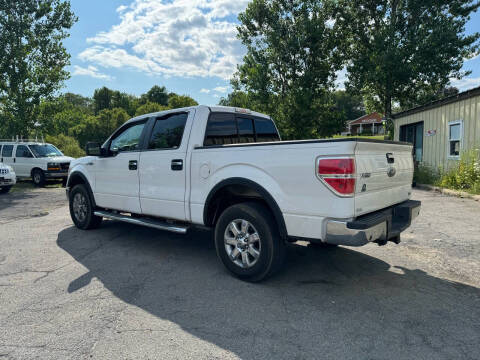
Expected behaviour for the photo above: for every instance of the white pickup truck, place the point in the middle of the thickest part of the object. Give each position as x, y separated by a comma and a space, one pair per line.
227, 169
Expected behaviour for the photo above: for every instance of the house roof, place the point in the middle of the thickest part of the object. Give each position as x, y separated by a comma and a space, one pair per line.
448, 100
374, 117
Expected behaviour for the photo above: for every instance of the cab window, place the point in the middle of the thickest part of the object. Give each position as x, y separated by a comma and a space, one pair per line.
128, 139
168, 131
221, 129
266, 130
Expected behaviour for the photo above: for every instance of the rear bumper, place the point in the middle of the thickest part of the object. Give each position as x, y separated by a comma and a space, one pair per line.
380, 226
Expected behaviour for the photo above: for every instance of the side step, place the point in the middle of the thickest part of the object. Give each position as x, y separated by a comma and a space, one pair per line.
161, 225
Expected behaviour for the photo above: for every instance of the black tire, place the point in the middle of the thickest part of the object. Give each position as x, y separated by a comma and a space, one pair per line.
38, 177
5, 189
271, 246
83, 219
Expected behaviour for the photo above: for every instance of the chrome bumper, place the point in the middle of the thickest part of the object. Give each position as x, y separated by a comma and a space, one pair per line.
380, 226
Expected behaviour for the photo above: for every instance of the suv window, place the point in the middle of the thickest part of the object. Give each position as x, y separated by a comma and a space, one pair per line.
22, 152
167, 132
221, 129
128, 139
7, 150
265, 130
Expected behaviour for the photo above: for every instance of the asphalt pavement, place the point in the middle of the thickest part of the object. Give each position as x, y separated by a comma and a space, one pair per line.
127, 292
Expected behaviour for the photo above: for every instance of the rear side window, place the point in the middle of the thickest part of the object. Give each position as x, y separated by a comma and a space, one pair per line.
266, 131
221, 129
246, 133
168, 131
22, 152
7, 151
226, 128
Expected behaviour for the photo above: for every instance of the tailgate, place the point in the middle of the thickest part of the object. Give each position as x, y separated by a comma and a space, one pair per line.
384, 175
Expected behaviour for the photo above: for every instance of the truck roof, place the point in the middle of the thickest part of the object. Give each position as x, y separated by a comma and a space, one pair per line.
215, 108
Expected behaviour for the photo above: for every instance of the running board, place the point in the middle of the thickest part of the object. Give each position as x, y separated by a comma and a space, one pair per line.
161, 225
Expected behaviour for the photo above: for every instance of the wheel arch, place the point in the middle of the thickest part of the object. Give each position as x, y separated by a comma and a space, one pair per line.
77, 178
235, 190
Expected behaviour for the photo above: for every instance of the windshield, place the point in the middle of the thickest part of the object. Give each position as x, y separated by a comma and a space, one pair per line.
46, 150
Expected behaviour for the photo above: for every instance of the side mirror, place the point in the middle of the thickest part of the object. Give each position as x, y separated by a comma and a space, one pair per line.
93, 149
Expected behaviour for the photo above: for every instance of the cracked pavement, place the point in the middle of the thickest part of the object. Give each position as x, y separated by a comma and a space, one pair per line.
127, 292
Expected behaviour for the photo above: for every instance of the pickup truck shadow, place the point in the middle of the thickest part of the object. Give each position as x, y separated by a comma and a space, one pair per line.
336, 303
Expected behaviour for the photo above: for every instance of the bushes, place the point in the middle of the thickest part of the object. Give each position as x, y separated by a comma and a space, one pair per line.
68, 145
424, 174
464, 176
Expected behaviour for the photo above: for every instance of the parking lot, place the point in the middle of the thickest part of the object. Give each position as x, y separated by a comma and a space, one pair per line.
126, 292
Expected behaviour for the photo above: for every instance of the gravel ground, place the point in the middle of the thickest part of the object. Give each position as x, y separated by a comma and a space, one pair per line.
126, 292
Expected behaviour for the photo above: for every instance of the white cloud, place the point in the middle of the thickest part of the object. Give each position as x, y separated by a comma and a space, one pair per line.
466, 83
90, 71
178, 38
204, 91
221, 89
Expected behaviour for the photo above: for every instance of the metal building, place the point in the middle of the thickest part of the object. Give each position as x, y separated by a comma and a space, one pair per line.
441, 130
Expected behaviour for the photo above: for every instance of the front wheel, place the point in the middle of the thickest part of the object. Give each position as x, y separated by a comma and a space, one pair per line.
82, 210
5, 189
248, 242
38, 177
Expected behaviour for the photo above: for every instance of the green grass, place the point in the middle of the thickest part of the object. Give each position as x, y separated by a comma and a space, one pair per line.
27, 185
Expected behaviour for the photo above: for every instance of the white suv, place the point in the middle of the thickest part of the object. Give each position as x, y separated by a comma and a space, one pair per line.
7, 178
40, 161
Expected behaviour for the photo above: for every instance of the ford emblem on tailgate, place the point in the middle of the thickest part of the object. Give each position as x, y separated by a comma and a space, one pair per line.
391, 172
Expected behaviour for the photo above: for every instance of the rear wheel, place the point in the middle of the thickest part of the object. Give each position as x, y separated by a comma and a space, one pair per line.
248, 242
82, 210
5, 189
38, 177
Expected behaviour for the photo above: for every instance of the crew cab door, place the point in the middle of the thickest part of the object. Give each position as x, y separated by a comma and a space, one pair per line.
116, 175
163, 166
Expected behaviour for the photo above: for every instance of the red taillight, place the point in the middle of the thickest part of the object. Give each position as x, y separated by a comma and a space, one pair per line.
338, 174
336, 166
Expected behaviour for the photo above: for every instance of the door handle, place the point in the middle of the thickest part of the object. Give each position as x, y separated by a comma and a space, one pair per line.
177, 164
390, 158
132, 165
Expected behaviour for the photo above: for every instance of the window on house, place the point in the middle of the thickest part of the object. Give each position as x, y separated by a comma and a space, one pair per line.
454, 138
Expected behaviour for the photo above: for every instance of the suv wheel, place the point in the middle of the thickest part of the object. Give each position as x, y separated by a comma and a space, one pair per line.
248, 242
81, 209
5, 189
38, 177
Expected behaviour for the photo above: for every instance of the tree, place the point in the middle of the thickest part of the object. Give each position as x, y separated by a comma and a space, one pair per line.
179, 101
98, 128
149, 107
349, 104
158, 94
289, 69
400, 48
32, 65
68, 145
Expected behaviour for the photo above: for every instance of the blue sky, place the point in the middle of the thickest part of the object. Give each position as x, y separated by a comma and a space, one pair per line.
189, 46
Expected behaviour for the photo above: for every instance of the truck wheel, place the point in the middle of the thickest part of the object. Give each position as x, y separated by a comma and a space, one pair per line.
38, 177
248, 242
81, 209
5, 189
